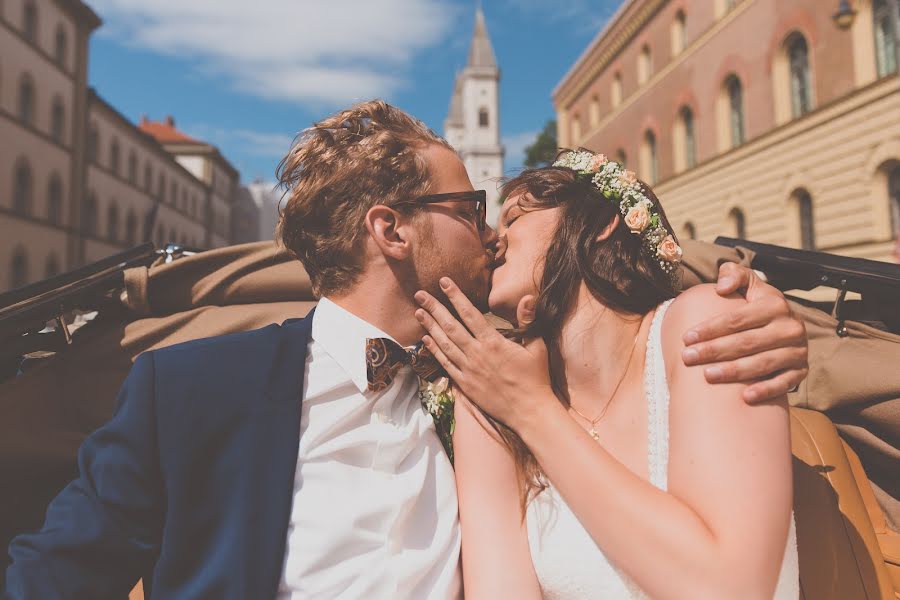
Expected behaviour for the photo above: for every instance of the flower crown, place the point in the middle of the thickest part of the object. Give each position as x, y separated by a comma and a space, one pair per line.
638, 212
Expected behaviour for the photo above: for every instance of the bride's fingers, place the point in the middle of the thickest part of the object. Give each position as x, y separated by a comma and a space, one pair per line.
471, 316
452, 371
451, 327
439, 338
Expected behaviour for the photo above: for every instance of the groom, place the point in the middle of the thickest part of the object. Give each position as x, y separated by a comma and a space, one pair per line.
277, 463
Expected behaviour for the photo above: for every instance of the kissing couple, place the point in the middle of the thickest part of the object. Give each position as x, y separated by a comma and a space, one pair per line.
621, 440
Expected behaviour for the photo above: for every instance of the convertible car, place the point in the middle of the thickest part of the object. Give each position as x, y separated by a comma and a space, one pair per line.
67, 343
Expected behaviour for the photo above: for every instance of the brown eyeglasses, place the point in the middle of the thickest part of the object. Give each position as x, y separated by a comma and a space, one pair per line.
479, 197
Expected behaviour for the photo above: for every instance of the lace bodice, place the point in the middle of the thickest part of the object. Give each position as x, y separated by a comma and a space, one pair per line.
568, 564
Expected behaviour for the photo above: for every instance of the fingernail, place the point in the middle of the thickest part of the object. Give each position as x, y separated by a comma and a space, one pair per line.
691, 337
713, 374
445, 283
420, 297
420, 315
725, 282
690, 356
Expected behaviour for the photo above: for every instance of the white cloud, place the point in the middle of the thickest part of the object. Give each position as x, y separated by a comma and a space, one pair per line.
515, 145
253, 143
309, 51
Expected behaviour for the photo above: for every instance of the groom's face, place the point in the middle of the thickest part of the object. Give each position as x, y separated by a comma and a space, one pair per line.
451, 244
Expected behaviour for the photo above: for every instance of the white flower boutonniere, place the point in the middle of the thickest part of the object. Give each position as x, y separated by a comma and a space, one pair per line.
437, 400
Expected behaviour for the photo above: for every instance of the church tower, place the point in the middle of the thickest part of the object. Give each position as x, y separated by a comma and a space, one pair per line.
473, 122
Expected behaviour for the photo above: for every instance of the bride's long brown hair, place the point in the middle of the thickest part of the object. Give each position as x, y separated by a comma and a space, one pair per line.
617, 271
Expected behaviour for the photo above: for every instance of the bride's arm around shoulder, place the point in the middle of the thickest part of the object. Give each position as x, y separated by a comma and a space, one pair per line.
496, 561
728, 460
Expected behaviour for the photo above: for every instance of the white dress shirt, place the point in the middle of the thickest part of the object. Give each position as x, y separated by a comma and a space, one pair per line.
374, 510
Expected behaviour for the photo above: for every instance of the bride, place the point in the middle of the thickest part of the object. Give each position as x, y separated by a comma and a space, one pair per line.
596, 464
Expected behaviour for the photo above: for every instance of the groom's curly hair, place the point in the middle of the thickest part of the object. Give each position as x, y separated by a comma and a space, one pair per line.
334, 173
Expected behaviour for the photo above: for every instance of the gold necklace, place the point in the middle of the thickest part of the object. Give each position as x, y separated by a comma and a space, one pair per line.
593, 422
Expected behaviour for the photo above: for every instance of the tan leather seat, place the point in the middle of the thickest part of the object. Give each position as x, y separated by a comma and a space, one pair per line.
840, 558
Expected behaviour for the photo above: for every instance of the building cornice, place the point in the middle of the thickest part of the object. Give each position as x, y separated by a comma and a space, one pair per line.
81, 12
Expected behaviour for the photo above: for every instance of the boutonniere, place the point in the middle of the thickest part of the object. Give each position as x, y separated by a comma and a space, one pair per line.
437, 400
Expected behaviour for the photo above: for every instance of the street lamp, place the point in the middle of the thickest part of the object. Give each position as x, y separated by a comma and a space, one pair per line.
845, 15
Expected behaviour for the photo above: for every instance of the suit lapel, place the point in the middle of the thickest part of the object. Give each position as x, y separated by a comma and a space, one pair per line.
276, 439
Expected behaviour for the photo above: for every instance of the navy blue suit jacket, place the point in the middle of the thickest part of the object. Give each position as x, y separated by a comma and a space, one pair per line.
189, 485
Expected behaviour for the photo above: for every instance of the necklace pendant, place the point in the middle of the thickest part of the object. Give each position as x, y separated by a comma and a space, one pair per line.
594, 434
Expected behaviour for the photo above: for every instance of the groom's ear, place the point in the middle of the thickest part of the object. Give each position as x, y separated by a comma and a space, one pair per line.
389, 230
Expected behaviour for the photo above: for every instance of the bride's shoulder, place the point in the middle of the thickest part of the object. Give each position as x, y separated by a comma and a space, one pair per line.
692, 307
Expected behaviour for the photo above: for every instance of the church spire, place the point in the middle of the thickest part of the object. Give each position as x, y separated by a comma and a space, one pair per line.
481, 53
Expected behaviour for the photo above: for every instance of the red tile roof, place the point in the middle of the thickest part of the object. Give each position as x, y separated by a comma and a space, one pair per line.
165, 132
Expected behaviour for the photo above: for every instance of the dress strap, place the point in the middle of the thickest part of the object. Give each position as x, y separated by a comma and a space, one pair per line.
656, 390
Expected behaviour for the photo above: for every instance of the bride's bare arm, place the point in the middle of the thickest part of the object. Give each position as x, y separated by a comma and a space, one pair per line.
495, 556
720, 531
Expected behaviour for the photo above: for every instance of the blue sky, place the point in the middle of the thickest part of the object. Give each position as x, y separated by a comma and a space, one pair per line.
247, 76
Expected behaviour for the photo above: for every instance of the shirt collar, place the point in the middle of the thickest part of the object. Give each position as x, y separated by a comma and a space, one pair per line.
343, 336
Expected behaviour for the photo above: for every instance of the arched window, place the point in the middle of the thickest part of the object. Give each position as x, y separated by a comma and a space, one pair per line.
616, 90
690, 230
739, 223
18, 273
161, 187
26, 99
89, 215
735, 94
114, 158
483, 120
132, 168
885, 38
650, 165
22, 186
29, 21
148, 177
57, 120
622, 158
804, 207
801, 87
645, 65
690, 146
51, 267
112, 221
93, 143
54, 199
679, 33
594, 112
60, 46
576, 129
894, 196
131, 228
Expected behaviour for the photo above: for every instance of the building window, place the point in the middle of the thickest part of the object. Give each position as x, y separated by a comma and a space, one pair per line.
22, 184
30, 21
807, 222
622, 158
148, 178
60, 47
130, 228
89, 215
161, 187
483, 120
894, 196
616, 90
112, 221
650, 159
690, 146
18, 275
645, 65
735, 94
173, 193
690, 231
57, 120
885, 38
801, 88
51, 267
576, 129
93, 143
679, 33
54, 200
739, 223
114, 157
132, 168
26, 99
594, 112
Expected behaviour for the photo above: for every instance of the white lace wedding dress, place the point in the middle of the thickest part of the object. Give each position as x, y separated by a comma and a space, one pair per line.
569, 565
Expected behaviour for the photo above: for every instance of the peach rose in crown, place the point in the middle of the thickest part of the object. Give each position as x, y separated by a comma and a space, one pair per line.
598, 161
637, 218
669, 250
628, 178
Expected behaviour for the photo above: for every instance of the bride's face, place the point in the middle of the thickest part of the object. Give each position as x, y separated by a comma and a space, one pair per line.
525, 235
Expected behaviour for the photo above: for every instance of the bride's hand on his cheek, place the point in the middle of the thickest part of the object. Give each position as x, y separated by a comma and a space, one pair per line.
507, 380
